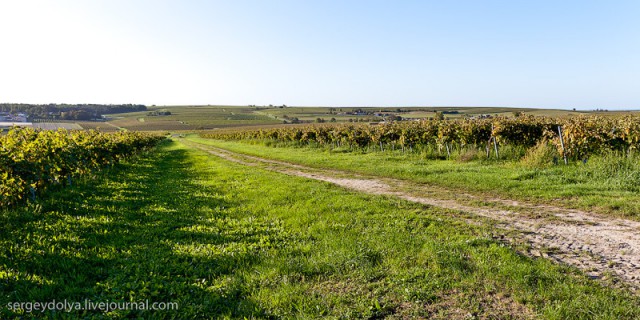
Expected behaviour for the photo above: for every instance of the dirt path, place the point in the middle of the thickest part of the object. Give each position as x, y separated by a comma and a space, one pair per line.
603, 247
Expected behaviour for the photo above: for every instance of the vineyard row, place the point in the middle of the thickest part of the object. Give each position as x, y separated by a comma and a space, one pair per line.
31, 160
575, 138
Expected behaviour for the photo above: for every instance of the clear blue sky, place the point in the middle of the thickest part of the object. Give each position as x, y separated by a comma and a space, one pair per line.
565, 54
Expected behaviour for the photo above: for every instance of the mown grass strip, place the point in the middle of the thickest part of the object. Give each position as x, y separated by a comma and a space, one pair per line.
227, 241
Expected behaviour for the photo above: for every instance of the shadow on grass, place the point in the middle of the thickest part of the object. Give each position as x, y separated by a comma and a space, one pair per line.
143, 230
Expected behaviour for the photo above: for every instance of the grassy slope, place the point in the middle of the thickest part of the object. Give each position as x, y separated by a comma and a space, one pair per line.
599, 186
224, 241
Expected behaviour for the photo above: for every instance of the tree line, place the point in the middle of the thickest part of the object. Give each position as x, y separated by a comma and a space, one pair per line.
69, 111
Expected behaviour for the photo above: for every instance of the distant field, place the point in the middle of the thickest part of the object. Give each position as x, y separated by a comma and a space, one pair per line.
191, 118
56, 126
196, 118
76, 125
94, 125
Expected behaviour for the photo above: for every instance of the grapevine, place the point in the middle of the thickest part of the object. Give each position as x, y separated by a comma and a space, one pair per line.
583, 136
31, 160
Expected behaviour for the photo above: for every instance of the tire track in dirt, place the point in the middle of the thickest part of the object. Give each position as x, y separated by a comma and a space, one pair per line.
602, 247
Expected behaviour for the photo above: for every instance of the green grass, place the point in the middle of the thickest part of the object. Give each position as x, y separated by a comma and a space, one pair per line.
607, 184
225, 242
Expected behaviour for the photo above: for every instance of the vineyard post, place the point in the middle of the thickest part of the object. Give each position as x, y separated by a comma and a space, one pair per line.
495, 143
564, 153
489, 147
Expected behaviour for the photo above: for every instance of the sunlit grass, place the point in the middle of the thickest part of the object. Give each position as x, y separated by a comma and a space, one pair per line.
227, 242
